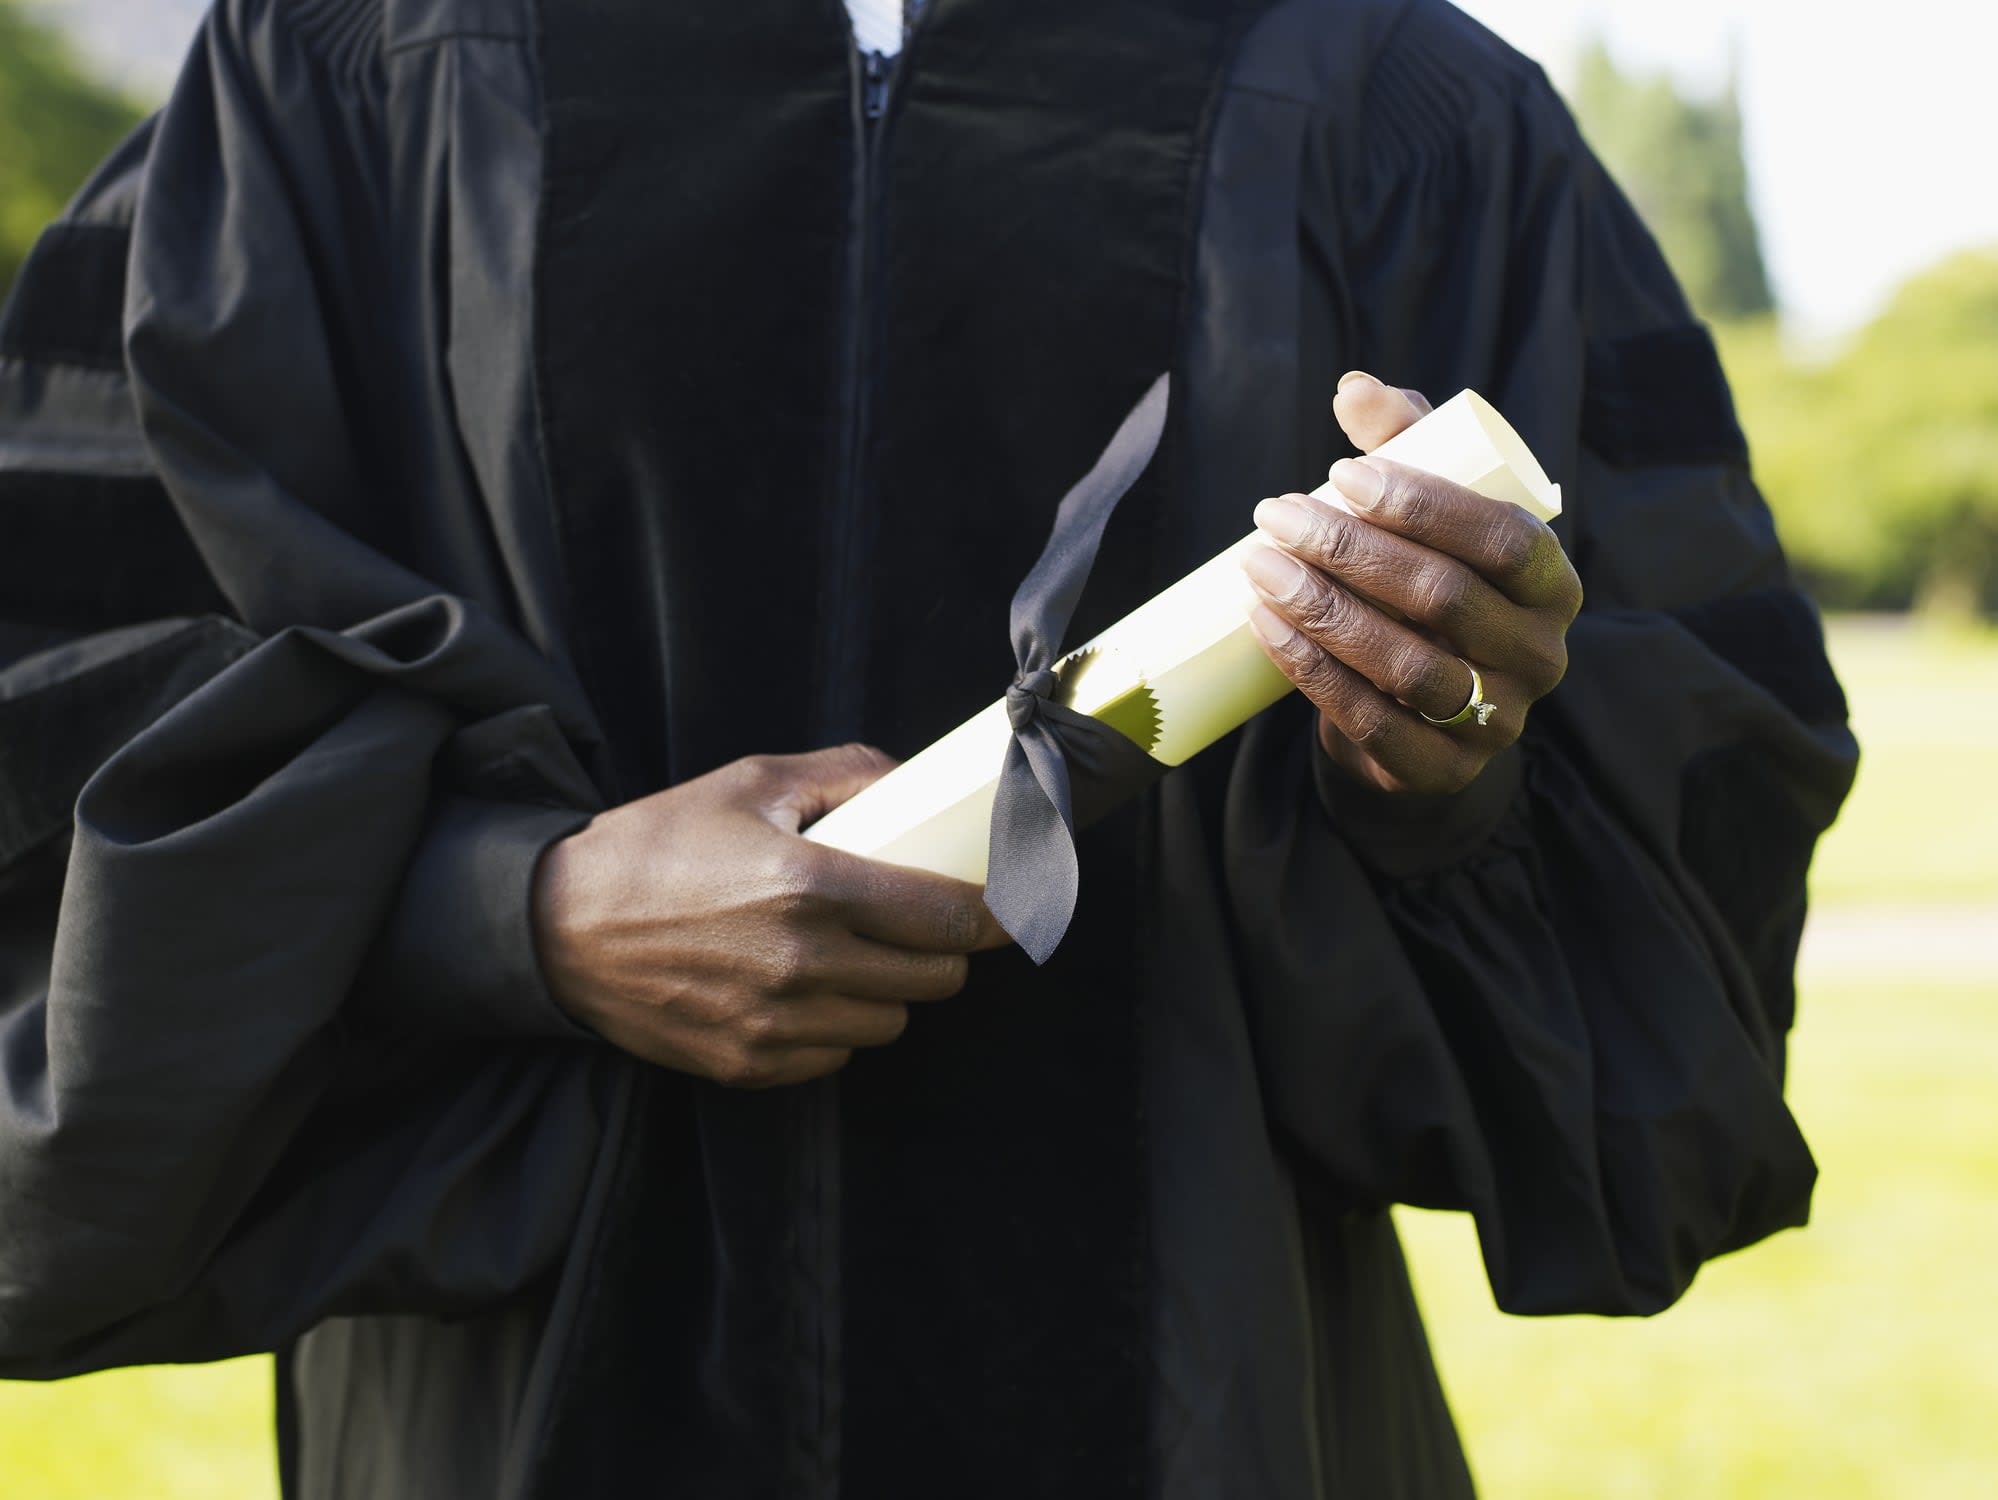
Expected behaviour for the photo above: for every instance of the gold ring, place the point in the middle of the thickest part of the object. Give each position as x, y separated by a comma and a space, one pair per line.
1474, 706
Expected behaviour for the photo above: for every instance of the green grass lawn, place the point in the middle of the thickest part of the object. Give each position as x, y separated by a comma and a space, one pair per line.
1856, 1360
194, 1433
1922, 825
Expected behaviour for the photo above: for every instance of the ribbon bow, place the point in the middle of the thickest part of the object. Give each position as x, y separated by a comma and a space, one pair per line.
1059, 760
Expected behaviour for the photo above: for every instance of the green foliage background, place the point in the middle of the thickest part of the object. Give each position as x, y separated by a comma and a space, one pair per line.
55, 126
1680, 160
1879, 458
1881, 463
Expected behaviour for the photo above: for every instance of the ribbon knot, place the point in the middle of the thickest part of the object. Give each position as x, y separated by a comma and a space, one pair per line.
1033, 875
1024, 698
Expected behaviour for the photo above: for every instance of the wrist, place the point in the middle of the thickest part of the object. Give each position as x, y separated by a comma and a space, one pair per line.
552, 908
1403, 834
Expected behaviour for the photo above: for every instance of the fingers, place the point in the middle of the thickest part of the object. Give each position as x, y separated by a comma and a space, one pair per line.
748, 1068
1425, 585
1517, 553
1391, 657
1412, 755
846, 964
796, 1040
908, 908
795, 789
1370, 413
840, 1021
814, 954
895, 905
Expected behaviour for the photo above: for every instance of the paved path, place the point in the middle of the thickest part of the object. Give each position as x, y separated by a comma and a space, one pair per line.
1906, 942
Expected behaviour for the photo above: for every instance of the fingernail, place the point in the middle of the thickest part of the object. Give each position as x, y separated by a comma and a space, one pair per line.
1276, 573
1284, 519
1351, 375
1359, 482
1273, 628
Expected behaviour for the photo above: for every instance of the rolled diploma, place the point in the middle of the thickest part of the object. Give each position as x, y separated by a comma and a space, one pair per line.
1190, 646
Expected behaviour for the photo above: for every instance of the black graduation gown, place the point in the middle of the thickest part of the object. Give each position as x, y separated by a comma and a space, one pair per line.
505, 382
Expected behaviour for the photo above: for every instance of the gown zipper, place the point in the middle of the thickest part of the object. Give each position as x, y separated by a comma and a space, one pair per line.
875, 77
874, 86
836, 719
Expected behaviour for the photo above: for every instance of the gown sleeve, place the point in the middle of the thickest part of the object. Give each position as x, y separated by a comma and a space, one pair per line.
273, 1045
1559, 999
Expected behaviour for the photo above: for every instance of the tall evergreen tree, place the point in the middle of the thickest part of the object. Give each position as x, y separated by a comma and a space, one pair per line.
1681, 162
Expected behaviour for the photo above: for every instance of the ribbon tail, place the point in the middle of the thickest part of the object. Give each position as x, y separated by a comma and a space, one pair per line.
1046, 598
1035, 875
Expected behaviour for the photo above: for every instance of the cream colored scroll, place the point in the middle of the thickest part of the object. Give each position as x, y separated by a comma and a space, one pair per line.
1175, 675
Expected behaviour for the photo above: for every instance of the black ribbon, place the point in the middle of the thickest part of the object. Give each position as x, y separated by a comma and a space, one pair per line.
1063, 769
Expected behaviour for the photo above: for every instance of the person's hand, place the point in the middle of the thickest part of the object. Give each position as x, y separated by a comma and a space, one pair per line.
1380, 621
695, 929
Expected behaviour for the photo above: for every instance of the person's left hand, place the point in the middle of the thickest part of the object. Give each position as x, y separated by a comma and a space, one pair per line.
1379, 621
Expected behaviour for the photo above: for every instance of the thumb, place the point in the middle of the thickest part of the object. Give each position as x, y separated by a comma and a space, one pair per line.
807, 787
1370, 413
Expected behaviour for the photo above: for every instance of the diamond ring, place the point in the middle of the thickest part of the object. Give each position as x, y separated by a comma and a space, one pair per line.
1474, 706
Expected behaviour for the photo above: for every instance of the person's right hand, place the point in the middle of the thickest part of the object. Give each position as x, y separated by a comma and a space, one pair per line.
695, 929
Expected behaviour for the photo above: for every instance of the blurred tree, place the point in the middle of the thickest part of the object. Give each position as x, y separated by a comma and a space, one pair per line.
1680, 160
55, 126
1882, 464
